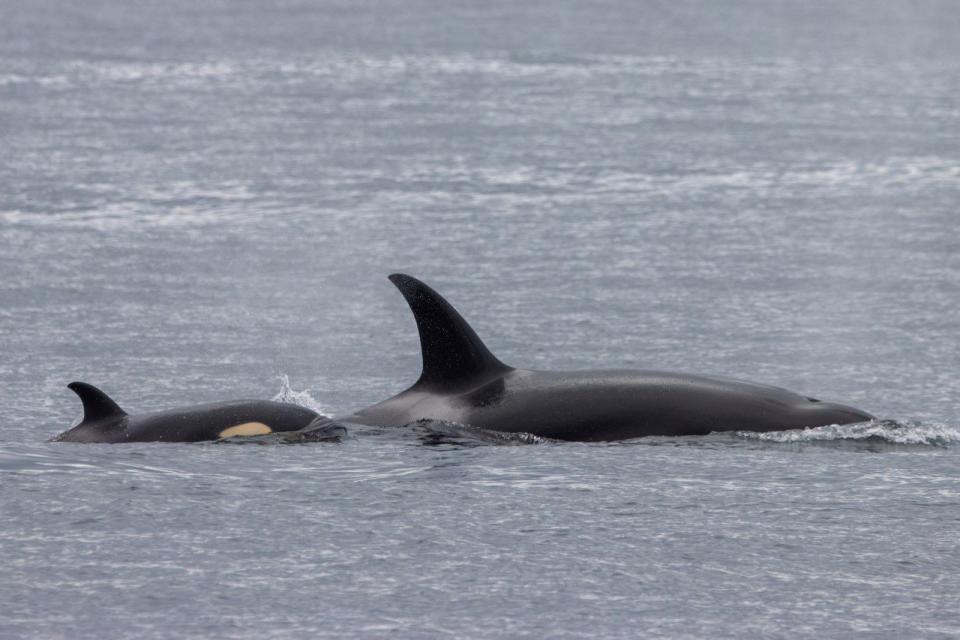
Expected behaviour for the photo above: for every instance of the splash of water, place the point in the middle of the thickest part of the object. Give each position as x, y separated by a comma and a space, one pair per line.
302, 398
890, 431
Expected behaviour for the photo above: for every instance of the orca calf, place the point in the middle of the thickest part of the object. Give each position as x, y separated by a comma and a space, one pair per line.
462, 382
104, 421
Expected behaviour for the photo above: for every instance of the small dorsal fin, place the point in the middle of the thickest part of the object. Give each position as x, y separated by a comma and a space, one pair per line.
96, 404
452, 352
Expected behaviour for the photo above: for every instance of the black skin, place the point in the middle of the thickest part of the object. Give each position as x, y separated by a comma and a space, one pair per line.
463, 382
104, 421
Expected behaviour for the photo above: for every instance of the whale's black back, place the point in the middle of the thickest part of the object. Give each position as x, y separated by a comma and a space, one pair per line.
105, 421
463, 382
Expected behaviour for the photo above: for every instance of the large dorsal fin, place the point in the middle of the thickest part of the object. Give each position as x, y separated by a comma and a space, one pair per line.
452, 352
96, 404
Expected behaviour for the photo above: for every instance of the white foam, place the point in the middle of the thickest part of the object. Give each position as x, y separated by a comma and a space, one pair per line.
891, 431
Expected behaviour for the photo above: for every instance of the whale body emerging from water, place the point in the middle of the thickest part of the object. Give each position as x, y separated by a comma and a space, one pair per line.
104, 421
462, 382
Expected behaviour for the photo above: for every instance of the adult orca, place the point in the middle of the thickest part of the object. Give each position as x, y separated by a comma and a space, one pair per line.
462, 382
104, 421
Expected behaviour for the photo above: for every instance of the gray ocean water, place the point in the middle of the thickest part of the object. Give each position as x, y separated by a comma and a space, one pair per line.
201, 201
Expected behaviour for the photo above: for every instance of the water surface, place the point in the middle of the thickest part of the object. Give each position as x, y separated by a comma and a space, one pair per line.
198, 199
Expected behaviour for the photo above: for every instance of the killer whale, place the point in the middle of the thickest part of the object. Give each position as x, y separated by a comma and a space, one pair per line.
463, 382
104, 420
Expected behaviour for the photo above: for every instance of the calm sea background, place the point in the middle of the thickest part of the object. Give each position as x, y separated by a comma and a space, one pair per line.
201, 200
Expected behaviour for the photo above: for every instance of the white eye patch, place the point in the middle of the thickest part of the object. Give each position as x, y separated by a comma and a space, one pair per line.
246, 429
